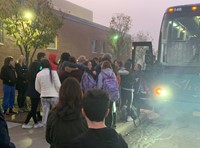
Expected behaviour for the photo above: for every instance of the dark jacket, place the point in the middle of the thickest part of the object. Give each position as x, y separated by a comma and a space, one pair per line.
127, 80
4, 136
34, 68
70, 72
64, 126
8, 75
22, 71
100, 138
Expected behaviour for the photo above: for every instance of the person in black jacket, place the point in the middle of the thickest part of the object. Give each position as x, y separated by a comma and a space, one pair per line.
127, 89
95, 109
34, 68
8, 75
22, 83
65, 122
4, 135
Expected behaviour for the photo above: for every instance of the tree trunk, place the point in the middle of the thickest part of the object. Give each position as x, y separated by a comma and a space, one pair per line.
21, 50
27, 53
33, 55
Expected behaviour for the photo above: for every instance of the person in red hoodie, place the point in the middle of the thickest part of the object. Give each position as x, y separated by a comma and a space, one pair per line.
52, 60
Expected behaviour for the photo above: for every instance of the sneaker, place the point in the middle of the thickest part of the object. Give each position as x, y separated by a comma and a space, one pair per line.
12, 112
129, 119
38, 125
6, 113
27, 126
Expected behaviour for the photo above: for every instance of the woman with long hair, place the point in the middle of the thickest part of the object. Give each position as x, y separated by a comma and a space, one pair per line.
64, 57
65, 121
47, 83
9, 77
87, 81
22, 83
108, 82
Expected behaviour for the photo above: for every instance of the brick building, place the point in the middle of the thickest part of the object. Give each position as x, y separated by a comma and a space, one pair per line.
78, 36
73, 9
82, 37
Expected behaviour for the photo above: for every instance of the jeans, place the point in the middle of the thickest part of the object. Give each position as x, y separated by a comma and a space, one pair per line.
47, 104
8, 97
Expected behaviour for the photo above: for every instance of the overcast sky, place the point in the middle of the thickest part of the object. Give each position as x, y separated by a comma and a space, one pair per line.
146, 14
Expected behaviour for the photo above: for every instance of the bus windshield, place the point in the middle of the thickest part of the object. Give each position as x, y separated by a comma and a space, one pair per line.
180, 39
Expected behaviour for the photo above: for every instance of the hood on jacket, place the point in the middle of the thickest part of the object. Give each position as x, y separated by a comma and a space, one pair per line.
66, 114
108, 71
52, 57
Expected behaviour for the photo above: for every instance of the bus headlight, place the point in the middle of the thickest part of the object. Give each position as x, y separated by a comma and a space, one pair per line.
160, 91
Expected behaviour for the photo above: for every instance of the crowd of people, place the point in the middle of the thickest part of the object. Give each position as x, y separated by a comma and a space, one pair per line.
76, 96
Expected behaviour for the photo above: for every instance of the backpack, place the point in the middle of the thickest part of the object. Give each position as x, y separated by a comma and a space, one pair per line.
110, 85
87, 82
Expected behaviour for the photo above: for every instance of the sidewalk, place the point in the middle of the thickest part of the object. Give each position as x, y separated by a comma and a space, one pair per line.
35, 138
125, 127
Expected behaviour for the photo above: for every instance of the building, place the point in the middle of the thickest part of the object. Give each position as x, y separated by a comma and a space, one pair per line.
73, 9
82, 37
78, 36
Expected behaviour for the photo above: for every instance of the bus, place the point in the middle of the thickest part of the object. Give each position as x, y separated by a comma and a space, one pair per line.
174, 78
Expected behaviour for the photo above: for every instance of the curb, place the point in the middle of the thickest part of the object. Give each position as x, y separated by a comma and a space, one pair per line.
124, 128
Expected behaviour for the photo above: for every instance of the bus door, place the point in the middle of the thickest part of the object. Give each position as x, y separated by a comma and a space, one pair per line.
142, 54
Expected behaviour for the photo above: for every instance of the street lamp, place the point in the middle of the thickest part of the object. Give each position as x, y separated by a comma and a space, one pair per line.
115, 37
28, 15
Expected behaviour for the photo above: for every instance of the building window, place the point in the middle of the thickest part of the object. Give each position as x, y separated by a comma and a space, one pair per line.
1, 33
53, 45
102, 46
94, 45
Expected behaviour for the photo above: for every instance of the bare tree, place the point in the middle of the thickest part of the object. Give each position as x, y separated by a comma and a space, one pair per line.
118, 37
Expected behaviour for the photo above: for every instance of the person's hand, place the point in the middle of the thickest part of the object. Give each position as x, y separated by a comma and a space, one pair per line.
94, 72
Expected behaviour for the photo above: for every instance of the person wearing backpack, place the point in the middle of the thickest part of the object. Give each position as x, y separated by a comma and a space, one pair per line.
107, 81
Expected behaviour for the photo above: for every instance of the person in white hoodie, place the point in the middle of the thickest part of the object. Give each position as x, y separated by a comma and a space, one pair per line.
47, 83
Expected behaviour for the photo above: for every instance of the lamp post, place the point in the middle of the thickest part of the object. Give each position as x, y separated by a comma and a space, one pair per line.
28, 15
115, 37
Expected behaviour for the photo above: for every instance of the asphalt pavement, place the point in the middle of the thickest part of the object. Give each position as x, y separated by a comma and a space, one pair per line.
35, 138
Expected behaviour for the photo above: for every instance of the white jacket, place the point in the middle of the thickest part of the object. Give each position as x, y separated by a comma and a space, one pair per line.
44, 86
